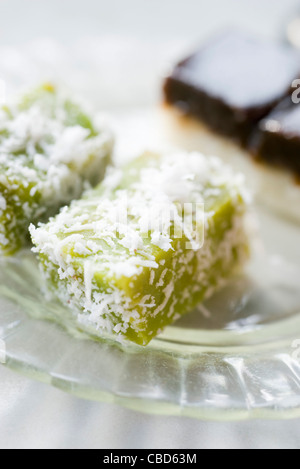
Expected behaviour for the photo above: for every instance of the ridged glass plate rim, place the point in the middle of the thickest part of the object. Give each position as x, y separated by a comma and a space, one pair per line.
217, 380
157, 406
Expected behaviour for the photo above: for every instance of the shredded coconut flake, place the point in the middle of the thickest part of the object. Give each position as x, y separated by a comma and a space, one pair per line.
45, 160
126, 234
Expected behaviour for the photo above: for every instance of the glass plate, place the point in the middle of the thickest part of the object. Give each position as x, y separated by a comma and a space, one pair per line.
236, 357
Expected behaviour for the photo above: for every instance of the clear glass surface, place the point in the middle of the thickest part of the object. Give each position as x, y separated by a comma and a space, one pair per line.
235, 357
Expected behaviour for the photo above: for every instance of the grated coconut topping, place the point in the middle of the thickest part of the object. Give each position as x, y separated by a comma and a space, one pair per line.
125, 229
45, 160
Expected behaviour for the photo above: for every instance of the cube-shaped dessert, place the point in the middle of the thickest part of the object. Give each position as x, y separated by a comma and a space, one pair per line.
50, 149
223, 100
277, 140
232, 82
147, 245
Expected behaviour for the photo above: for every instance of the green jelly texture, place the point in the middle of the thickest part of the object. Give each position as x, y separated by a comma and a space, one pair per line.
38, 174
134, 278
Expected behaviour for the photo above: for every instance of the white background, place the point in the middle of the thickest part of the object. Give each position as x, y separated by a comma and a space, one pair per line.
33, 414
68, 19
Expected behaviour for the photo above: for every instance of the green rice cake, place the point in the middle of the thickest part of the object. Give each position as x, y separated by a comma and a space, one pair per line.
146, 245
49, 150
